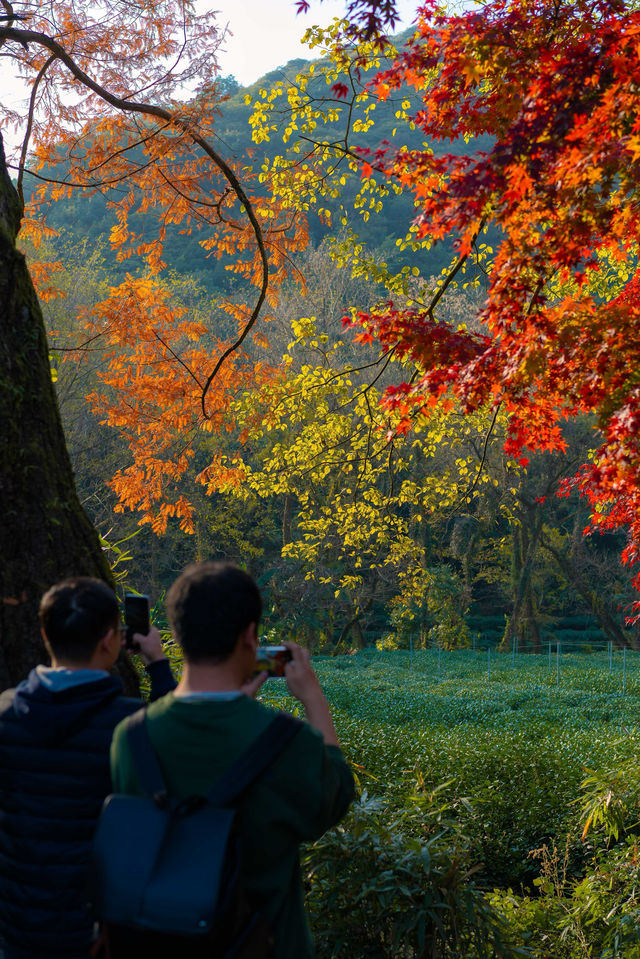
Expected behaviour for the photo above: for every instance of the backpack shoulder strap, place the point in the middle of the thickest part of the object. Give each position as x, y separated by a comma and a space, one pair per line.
255, 760
144, 757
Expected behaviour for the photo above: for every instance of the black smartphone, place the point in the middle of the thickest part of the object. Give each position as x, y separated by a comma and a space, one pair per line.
136, 617
271, 659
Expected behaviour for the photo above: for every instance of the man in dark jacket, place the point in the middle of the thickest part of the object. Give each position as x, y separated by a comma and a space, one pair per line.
55, 734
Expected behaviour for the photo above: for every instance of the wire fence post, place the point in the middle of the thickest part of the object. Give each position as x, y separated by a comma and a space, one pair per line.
610, 657
513, 657
549, 655
474, 642
488, 662
558, 665
624, 671
411, 650
439, 654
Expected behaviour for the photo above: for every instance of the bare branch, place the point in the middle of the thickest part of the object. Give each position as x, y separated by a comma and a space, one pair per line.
177, 358
452, 274
27, 136
131, 106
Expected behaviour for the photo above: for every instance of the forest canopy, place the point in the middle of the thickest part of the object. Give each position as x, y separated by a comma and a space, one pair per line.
473, 184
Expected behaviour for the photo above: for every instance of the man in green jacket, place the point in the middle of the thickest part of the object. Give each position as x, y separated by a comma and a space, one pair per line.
211, 718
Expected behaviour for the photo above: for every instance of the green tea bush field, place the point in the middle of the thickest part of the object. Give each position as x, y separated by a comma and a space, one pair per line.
514, 745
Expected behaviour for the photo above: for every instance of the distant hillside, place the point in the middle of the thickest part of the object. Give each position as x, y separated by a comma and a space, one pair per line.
88, 217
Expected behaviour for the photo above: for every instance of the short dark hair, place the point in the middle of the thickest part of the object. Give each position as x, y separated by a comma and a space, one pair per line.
75, 614
209, 605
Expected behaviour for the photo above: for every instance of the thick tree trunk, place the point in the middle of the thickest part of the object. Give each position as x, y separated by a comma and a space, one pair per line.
349, 627
45, 534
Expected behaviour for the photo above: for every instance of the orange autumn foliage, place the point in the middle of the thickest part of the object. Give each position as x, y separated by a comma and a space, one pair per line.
110, 113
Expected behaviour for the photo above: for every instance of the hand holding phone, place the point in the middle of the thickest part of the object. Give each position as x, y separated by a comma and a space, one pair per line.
272, 660
303, 684
136, 617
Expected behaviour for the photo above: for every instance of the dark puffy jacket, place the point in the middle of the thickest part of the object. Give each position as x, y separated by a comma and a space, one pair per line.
54, 776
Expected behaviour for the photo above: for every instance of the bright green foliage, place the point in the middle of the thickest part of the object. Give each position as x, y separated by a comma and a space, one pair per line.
511, 752
593, 917
513, 744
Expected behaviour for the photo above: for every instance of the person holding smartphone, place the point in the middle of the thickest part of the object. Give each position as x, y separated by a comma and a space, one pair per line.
199, 731
55, 733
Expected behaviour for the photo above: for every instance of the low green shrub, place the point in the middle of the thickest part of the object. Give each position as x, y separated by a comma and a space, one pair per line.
596, 917
399, 883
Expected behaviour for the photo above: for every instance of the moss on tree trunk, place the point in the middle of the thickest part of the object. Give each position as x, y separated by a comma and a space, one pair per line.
45, 534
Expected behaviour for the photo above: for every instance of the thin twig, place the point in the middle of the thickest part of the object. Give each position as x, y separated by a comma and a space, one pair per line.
452, 275
177, 358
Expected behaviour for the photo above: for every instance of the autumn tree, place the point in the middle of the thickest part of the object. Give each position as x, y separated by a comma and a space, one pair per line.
548, 93
135, 138
324, 112
359, 507
121, 95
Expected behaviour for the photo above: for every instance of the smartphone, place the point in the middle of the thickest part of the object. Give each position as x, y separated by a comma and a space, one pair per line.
136, 617
271, 659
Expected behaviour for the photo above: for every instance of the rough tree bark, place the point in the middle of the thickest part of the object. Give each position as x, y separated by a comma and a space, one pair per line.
45, 535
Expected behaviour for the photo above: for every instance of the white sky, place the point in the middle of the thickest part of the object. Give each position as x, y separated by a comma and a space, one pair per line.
265, 35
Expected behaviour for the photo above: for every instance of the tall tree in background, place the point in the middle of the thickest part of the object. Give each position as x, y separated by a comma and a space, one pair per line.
122, 93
